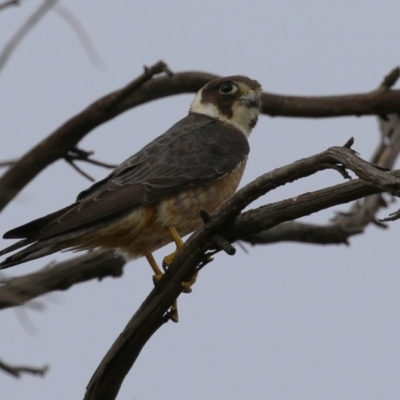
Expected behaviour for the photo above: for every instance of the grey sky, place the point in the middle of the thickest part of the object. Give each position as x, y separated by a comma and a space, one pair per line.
287, 321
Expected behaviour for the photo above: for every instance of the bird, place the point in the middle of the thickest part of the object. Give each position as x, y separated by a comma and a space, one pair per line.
155, 196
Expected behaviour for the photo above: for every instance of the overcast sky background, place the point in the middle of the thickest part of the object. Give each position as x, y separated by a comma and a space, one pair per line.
287, 321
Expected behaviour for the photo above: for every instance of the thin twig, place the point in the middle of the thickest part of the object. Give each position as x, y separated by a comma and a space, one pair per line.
79, 170
77, 154
25, 28
391, 78
82, 155
18, 370
9, 3
7, 163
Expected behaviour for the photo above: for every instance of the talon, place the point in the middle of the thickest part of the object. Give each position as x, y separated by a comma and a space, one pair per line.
187, 285
167, 261
173, 312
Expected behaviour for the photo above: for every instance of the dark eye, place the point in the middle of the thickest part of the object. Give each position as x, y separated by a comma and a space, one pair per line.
227, 88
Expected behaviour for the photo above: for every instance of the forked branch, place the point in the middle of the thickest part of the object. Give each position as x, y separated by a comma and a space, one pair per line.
232, 225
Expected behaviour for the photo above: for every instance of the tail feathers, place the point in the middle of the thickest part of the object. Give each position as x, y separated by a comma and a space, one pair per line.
34, 251
36, 248
30, 235
33, 228
15, 246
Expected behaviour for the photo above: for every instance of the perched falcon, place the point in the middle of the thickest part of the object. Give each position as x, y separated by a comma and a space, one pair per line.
154, 197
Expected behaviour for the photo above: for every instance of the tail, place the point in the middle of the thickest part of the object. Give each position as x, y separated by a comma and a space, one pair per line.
32, 252
30, 235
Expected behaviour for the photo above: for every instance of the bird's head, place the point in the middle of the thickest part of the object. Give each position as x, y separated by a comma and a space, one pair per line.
234, 100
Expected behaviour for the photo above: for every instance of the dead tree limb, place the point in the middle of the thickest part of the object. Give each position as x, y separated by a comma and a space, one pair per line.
8, 4
353, 222
23, 31
301, 232
18, 370
60, 276
382, 101
229, 223
361, 213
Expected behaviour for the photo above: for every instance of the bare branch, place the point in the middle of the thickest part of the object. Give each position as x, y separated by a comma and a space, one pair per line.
353, 222
60, 276
77, 154
228, 223
303, 233
81, 155
18, 370
381, 101
391, 78
79, 170
25, 28
9, 3
7, 163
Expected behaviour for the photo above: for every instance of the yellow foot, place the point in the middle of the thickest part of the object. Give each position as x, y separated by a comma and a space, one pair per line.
167, 261
187, 286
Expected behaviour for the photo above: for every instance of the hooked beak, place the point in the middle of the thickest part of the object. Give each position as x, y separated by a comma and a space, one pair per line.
250, 99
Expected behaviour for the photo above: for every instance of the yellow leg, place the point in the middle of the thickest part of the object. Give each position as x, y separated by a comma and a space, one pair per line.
175, 235
156, 277
186, 286
179, 243
153, 265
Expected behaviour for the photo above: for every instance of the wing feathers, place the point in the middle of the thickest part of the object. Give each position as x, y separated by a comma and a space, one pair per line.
195, 151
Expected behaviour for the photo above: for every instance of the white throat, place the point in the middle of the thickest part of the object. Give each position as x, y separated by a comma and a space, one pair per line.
242, 117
